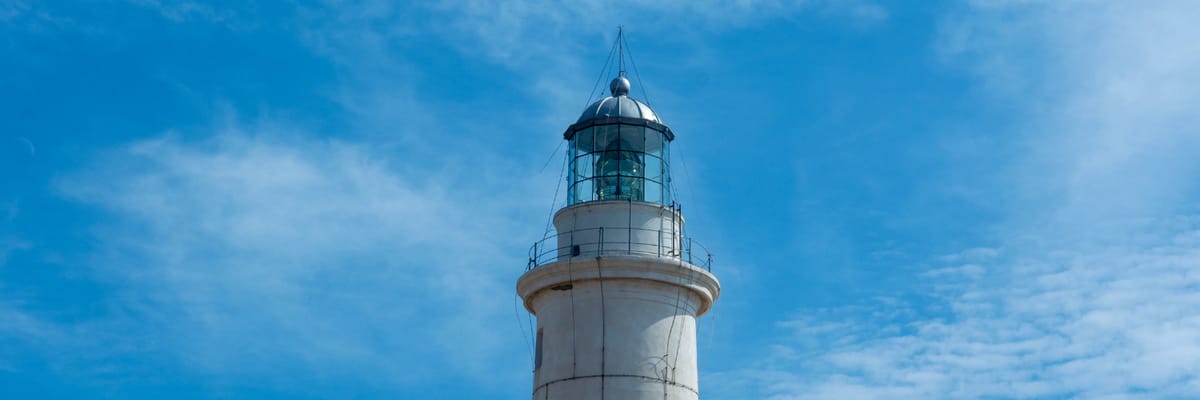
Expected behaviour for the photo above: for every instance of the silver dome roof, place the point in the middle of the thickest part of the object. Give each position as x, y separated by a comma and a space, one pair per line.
618, 105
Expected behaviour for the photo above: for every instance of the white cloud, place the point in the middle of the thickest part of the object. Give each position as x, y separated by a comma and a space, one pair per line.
182, 11
20, 16
18, 328
518, 32
10, 244
1094, 323
1105, 89
259, 248
1095, 294
559, 46
13, 9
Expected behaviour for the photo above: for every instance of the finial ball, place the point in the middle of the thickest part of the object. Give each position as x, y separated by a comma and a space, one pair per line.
619, 86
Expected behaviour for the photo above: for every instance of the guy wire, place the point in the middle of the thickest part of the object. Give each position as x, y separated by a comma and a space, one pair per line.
638, 75
599, 78
554, 202
517, 315
603, 327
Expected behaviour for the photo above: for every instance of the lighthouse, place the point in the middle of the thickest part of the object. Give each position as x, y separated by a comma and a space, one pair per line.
618, 288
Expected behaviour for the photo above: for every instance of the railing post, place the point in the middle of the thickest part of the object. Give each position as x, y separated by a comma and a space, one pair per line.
660, 233
689, 251
629, 238
532, 257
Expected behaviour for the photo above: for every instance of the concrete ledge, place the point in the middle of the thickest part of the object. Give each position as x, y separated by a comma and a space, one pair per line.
669, 271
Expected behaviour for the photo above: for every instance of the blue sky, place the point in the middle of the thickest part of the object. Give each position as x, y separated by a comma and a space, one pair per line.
981, 199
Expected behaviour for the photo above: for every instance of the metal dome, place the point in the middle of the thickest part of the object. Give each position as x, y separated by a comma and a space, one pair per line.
618, 105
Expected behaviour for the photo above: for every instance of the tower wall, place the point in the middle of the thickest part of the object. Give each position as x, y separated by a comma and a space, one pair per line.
618, 227
617, 327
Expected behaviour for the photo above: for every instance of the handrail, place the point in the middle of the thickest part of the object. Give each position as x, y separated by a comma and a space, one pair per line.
594, 242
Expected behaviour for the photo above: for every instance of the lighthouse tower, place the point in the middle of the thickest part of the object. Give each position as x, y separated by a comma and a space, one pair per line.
618, 289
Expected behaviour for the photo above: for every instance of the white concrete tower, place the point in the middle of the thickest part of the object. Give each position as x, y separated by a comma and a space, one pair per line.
618, 290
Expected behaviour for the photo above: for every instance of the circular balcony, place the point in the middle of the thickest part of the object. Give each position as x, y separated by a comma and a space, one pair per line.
599, 242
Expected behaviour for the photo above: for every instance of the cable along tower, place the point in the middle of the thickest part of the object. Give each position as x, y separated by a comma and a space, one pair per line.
617, 290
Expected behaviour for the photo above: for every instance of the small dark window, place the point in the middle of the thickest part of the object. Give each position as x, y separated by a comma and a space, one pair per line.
537, 360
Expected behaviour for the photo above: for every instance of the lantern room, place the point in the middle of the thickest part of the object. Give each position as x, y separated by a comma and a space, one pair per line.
619, 150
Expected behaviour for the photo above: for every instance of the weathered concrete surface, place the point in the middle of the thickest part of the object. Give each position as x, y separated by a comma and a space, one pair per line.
621, 326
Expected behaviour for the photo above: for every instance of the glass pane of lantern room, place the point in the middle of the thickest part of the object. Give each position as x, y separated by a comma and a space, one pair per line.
570, 192
653, 168
583, 166
606, 136
666, 164
606, 163
571, 162
632, 164
584, 191
654, 142
653, 192
633, 138
631, 189
666, 171
583, 141
607, 188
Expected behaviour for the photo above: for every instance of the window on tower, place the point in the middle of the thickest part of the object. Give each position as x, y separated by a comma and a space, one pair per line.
537, 361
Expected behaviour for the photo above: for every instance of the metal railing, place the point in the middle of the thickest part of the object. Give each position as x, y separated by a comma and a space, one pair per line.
595, 242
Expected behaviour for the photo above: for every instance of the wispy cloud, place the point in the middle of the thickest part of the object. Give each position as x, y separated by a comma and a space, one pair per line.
263, 247
9, 245
559, 46
1094, 294
519, 32
181, 11
20, 16
1102, 322
1104, 90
